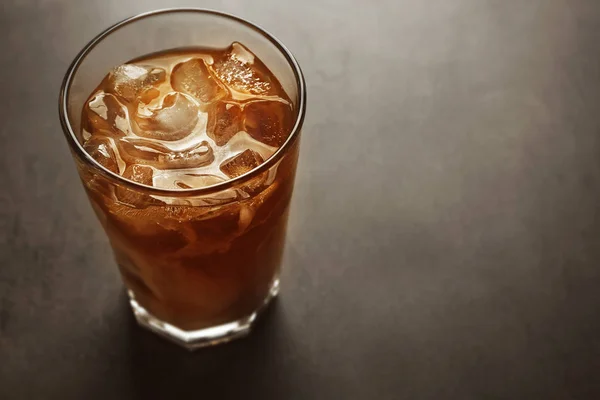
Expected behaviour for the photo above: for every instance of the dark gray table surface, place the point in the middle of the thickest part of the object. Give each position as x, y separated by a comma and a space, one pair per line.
445, 231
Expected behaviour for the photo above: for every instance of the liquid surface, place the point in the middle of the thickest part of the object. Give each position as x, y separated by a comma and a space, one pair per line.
185, 119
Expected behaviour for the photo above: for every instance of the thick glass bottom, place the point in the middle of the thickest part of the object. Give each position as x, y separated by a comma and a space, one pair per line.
193, 340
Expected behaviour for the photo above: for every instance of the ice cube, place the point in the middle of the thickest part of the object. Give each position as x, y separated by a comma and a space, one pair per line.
269, 122
246, 216
194, 78
105, 115
184, 179
196, 180
139, 173
173, 119
102, 149
216, 228
196, 157
239, 70
144, 225
149, 94
136, 197
224, 121
129, 80
141, 151
241, 163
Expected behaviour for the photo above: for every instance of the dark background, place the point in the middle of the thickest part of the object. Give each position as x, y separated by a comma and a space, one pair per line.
445, 231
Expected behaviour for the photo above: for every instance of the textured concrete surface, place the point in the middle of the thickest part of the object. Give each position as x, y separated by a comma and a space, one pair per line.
445, 233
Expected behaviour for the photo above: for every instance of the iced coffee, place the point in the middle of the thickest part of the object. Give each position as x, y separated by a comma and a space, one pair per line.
178, 121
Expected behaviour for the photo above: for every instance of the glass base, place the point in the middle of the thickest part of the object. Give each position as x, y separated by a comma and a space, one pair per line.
193, 340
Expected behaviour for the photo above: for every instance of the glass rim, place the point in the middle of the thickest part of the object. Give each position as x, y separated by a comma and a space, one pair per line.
265, 166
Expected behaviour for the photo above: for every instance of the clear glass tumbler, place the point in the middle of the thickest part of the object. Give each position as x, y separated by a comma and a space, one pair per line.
199, 264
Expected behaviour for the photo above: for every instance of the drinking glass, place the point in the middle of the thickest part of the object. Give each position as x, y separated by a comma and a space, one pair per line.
199, 264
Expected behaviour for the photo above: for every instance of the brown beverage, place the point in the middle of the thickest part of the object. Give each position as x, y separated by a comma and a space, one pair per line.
180, 120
